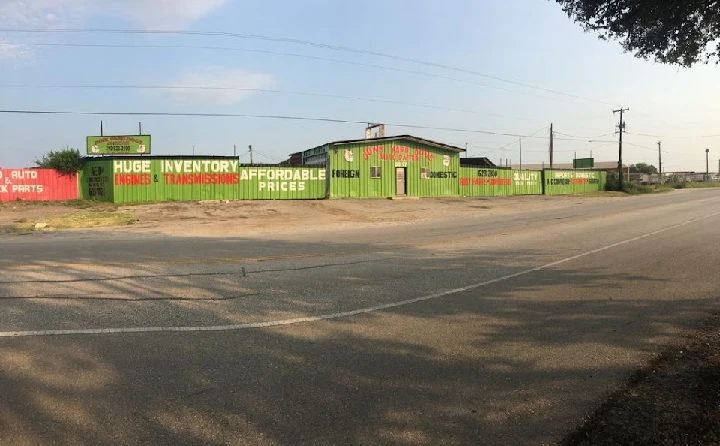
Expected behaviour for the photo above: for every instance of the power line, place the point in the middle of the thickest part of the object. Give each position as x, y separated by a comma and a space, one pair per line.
643, 147
259, 90
271, 158
518, 141
278, 53
588, 137
609, 142
243, 115
585, 140
308, 43
667, 136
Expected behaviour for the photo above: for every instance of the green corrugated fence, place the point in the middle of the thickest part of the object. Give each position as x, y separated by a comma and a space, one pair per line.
565, 182
492, 182
485, 182
142, 179
281, 183
137, 179
527, 182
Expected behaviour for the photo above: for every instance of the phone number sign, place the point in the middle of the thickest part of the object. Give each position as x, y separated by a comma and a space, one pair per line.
118, 145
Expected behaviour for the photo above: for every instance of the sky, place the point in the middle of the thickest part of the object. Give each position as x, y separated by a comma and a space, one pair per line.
494, 67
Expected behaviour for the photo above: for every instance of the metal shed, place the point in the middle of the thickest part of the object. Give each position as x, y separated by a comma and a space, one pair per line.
393, 166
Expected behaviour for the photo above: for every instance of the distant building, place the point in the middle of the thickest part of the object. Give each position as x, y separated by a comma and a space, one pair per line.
607, 166
295, 159
479, 161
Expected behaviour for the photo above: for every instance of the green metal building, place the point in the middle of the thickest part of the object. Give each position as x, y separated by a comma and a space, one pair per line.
388, 167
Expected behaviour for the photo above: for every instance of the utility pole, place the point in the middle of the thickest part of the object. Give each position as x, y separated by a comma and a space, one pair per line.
621, 129
101, 128
551, 145
251, 154
520, 140
707, 164
139, 128
660, 161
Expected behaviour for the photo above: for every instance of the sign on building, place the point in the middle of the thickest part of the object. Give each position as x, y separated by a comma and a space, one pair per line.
118, 145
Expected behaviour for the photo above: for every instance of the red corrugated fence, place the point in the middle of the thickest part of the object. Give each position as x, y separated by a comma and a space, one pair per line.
37, 185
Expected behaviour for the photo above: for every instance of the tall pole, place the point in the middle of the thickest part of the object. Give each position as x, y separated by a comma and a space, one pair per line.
621, 129
139, 128
234, 149
660, 161
707, 164
101, 128
520, 140
193, 149
551, 145
251, 154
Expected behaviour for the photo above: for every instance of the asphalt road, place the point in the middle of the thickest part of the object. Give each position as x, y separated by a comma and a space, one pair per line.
503, 330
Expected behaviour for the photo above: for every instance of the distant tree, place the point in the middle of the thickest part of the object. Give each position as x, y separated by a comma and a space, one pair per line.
678, 32
66, 160
643, 168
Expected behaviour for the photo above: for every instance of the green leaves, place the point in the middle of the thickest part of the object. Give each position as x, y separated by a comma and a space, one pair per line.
67, 160
681, 32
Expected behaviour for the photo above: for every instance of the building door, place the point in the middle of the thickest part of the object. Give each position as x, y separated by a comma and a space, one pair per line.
400, 181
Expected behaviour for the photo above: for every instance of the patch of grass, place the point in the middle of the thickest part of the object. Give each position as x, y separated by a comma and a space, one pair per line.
79, 220
637, 189
702, 184
10, 229
90, 204
603, 193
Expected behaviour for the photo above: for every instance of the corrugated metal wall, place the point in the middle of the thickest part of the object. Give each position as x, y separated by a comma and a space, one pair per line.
96, 180
145, 179
491, 182
527, 182
429, 171
564, 182
282, 183
485, 182
37, 185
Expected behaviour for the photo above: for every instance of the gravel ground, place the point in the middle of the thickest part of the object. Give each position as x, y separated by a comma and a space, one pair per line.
674, 400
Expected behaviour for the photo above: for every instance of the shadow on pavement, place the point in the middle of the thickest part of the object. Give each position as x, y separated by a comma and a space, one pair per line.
514, 362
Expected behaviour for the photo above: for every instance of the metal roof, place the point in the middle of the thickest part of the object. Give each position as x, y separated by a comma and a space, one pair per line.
477, 161
406, 137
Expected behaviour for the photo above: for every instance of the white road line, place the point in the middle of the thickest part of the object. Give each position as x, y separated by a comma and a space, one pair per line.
322, 317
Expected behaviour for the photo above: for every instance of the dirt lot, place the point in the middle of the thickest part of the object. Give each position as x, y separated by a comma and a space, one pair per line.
259, 217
